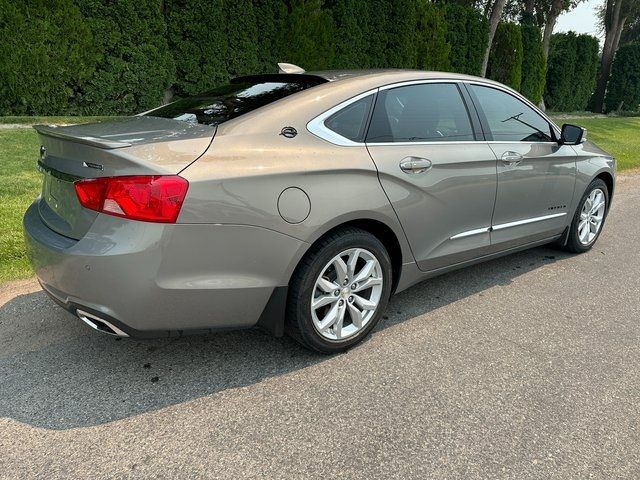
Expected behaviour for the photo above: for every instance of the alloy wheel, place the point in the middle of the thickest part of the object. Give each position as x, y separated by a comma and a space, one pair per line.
346, 294
591, 216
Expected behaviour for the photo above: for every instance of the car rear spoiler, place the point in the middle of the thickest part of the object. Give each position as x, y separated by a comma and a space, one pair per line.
55, 132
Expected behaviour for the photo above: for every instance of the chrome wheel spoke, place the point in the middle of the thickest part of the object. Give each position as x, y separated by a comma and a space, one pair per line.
323, 300
337, 327
330, 318
327, 286
352, 262
364, 303
341, 270
366, 271
356, 315
368, 283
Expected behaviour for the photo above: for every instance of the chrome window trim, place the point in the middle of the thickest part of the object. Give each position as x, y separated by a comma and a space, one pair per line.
317, 127
517, 223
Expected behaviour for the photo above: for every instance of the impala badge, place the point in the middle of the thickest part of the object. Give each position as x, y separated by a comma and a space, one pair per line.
93, 165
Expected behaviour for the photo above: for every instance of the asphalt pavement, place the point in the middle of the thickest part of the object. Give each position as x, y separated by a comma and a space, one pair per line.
522, 367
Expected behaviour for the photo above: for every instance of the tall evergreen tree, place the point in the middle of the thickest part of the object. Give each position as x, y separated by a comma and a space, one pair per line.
199, 46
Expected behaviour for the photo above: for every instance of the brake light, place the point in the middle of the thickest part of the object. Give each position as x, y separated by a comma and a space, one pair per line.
149, 198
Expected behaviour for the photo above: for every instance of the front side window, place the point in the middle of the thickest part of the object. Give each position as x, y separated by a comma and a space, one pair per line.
510, 119
429, 112
351, 121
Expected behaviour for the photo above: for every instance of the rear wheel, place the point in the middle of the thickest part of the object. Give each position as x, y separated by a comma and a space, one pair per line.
339, 291
589, 218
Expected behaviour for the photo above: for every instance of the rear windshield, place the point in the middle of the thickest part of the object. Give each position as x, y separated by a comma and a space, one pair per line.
241, 96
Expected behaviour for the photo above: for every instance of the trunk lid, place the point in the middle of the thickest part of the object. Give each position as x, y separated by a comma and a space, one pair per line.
131, 146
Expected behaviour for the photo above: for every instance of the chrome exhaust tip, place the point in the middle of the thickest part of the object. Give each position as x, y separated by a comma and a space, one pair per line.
99, 324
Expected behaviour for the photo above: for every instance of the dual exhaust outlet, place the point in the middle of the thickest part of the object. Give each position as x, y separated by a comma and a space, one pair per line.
100, 324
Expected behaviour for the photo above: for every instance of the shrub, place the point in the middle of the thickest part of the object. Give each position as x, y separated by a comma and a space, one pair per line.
505, 60
623, 91
270, 17
135, 67
199, 51
241, 30
46, 53
432, 48
534, 67
571, 71
402, 51
352, 39
307, 36
467, 31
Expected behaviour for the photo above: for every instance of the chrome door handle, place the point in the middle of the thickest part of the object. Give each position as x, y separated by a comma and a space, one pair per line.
414, 165
511, 158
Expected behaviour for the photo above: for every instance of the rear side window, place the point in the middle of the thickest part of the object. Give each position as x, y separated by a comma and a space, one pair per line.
351, 121
510, 119
237, 98
429, 112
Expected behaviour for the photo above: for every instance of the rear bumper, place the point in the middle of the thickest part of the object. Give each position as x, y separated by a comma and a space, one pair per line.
152, 280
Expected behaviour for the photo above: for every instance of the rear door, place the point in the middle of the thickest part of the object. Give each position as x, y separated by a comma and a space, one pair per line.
439, 175
536, 176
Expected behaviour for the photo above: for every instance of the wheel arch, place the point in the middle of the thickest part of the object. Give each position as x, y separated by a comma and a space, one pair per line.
272, 318
607, 178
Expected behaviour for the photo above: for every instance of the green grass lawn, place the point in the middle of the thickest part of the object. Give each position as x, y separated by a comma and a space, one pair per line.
620, 136
20, 181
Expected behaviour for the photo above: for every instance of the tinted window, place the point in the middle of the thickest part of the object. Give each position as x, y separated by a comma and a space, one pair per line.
351, 121
429, 112
510, 119
241, 96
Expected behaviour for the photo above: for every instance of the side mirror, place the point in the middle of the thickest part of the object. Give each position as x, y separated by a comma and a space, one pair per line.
572, 134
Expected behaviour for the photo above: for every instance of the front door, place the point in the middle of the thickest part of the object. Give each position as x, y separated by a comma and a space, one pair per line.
536, 175
440, 179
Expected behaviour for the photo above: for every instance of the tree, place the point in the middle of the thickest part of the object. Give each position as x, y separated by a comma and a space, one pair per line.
200, 51
307, 36
505, 64
351, 19
614, 17
466, 29
47, 53
494, 20
534, 65
135, 67
432, 48
623, 91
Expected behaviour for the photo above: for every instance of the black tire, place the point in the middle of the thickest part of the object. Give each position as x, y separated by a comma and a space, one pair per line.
299, 321
573, 243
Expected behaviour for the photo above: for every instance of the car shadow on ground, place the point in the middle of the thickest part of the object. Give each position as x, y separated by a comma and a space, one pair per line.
56, 373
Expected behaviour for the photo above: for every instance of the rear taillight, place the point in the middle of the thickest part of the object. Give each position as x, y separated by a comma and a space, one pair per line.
147, 198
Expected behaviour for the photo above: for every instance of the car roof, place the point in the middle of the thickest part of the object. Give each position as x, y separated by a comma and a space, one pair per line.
390, 73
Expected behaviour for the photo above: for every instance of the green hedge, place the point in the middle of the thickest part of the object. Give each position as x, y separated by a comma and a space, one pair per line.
467, 31
505, 59
126, 56
571, 71
623, 90
135, 67
534, 66
46, 53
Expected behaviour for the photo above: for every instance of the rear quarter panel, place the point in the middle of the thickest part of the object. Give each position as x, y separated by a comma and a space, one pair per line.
240, 179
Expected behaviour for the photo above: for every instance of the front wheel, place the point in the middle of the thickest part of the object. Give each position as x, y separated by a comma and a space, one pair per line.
339, 291
589, 218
